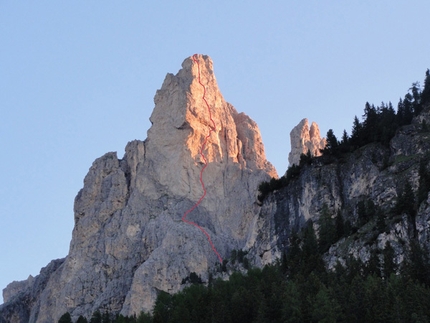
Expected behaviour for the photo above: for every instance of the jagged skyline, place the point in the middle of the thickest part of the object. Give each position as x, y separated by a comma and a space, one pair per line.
78, 80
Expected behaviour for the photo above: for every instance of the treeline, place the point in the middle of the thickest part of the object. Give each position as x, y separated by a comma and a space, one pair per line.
379, 125
298, 288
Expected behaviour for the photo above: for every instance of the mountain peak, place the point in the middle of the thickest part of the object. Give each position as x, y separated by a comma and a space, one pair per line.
130, 241
189, 110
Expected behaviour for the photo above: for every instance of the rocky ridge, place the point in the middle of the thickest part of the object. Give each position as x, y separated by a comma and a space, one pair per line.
375, 173
305, 139
128, 241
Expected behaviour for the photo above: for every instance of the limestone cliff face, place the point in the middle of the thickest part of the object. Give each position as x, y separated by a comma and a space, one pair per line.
22, 299
304, 140
372, 173
129, 242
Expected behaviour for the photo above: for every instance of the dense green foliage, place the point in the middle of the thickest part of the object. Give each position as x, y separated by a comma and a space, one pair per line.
65, 318
424, 181
381, 123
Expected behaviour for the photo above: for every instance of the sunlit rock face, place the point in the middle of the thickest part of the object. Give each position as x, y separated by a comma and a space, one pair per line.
129, 242
304, 140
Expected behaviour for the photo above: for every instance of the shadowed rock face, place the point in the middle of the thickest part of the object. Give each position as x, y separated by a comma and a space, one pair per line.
128, 241
375, 173
22, 299
304, 140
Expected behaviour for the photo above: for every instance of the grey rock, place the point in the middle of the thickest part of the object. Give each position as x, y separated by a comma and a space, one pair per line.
15, 288
371, 173
304, 140
23, 298
129, 241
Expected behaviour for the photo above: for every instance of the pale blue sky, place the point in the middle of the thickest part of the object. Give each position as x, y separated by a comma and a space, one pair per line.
77, 79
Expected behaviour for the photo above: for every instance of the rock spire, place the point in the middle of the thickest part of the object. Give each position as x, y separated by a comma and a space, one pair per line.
304, 140
129, 242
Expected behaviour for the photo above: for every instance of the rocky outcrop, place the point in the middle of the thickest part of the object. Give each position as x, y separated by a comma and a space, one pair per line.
129, 242
22, 299
17, 287
372, 173
304, 140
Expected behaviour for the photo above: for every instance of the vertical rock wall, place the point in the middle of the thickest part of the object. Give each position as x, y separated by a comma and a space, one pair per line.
304, 140
129, 242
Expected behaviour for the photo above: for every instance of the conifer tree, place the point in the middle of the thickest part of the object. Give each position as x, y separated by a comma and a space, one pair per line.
380, 221
65, 318
96, 317
408, 109
332, 143
327, 230
416, 98
424, 182
340, 225
344, 145
356, 134
406, 201
82, 319
389, 265
370, 124
425, 94
373, 266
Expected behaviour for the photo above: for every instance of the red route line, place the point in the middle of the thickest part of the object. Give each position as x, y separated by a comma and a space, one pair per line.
184, 217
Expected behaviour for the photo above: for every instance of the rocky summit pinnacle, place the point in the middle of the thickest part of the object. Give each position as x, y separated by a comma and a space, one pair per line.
304, 140
129, 242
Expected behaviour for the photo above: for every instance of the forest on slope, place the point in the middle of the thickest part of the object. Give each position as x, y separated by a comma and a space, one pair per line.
299, 288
